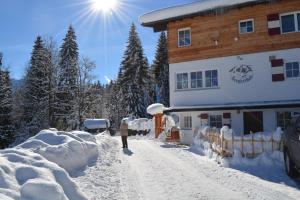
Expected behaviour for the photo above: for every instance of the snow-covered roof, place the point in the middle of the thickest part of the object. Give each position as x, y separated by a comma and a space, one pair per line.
165, 14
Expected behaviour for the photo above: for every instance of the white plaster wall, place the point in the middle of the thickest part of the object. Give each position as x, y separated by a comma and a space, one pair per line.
260, 88
237, 120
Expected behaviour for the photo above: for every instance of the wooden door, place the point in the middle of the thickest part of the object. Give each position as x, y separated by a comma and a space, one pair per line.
253, 122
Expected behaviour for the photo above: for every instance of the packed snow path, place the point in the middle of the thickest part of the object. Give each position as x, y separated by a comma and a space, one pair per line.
152, 170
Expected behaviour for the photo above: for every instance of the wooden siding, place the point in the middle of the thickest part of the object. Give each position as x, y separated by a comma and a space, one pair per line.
225, 28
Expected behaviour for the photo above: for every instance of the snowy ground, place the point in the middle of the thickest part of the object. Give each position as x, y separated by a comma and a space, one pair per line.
153, 170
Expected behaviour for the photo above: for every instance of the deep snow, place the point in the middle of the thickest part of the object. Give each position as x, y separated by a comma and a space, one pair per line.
154, 170
40, 168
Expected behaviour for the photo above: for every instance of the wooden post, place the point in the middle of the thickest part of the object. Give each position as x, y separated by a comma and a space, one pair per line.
232, 143
253, 151
262, 144
272, 143
158, 124
243, 145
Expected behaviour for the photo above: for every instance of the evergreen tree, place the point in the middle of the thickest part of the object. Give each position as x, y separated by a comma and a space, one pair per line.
67, 82
134, 79
161, 71
6, 125
37, 82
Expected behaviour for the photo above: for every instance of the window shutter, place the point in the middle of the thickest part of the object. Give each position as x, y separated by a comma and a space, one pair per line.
277, 70
204, 116
227, 119
274, 24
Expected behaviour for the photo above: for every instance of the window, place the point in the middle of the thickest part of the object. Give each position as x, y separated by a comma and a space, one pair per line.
290, 22
184, 37
215, 121
292, 69
211, 78
182, 81
196, 80
283, 119
187, 122
246, 26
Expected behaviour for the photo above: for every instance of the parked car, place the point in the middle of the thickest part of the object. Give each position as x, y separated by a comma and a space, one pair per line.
95, 126
291, 148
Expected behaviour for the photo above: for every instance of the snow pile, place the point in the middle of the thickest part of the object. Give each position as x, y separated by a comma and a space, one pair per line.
156, 108
26, 175
71, 151
188, 9
96, 123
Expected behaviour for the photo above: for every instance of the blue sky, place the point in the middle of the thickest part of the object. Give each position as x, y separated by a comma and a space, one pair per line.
101, 38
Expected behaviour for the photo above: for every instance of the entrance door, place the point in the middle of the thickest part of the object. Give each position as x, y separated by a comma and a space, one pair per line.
253, 122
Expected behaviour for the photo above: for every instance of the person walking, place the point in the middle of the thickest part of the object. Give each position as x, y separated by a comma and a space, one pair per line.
124, 133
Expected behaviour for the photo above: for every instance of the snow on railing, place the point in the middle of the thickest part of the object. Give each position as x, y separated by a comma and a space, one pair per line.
224, 142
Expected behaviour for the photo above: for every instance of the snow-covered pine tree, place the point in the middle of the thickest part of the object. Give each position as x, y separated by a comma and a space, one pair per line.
36, 96
7, 130
53, 52
161, 70
135, 77
67, 83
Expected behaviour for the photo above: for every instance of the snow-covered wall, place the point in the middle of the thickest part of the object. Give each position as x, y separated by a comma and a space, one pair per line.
260, 88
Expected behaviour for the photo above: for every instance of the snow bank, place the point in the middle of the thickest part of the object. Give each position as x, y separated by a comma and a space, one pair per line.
96, 123
188, 9
71, 151
26, 175
156, 108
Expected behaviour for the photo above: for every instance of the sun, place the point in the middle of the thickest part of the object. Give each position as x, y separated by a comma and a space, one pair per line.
104, 5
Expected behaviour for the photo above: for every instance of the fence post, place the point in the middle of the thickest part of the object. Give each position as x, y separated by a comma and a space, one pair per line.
243, 145
252, 137
272, 143
232, 135
262, 143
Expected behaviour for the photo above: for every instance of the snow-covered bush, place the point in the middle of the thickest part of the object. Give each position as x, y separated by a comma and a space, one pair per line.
138, 126
71, 151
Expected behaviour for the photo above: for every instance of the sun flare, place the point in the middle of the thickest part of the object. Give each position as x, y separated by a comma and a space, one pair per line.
104, 5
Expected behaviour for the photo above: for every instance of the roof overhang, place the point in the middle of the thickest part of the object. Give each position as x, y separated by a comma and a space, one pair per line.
159, 19
237, 106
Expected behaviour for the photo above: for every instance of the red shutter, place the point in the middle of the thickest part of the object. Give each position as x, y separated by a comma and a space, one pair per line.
204, 116
227, 115
277, 77
274, 24
277, 63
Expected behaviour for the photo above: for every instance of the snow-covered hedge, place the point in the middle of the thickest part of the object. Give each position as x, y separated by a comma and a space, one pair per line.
38, 168
141, 124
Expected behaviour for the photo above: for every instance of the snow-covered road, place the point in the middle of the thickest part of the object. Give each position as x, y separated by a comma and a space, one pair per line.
152, 170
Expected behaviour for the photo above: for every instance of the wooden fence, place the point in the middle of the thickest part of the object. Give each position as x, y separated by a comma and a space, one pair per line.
249, 146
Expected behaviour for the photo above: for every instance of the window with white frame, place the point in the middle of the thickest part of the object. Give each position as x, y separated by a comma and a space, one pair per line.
187, 122
215, 121
283, 119
290, 22
196, 80
211, 78
292, 69
182, 81
246, 26
184, 37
